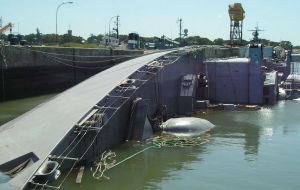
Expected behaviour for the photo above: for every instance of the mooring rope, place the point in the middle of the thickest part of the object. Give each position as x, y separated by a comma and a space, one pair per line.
174, 141
105, 165
108, 161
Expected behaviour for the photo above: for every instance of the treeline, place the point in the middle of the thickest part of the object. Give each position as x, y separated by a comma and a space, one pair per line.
197, 40
52, 39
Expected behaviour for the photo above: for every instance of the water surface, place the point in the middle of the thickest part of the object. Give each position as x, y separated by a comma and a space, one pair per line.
247, 150
12, 109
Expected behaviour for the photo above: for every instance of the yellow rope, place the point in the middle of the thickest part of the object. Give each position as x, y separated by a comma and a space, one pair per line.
108, 158
107, 161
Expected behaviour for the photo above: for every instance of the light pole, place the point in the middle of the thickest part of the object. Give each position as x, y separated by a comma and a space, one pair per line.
109, 28
68, 2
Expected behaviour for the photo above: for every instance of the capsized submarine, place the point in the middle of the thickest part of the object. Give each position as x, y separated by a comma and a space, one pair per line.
186, 126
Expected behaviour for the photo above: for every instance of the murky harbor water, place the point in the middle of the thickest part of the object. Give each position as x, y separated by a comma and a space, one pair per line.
12, 109
247, 150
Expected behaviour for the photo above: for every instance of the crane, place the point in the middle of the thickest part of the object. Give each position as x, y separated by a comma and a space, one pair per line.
236, 15
6, 27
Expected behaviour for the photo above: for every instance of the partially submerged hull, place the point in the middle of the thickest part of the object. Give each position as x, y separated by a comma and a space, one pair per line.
49, 128
118, 104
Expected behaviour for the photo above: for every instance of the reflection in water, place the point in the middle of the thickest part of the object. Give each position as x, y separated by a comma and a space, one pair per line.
247, 150
232, 128
269, 132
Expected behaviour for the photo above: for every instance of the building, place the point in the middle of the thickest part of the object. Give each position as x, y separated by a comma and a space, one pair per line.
133, 41
110, 41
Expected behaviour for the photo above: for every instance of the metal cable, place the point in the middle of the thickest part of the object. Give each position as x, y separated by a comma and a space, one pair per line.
78, 67
70, 55
97, 133
103, 111
113, 115
101, 61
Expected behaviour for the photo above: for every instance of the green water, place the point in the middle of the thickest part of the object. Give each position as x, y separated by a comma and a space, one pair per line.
247, 150
12, 109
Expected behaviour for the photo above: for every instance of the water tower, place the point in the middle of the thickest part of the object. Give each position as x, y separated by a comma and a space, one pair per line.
237, 15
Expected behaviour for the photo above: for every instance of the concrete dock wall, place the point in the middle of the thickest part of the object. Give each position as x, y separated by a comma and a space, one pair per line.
31, 71
18, 56
213, 52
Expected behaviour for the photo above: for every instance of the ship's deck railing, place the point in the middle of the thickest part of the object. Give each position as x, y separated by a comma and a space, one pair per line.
101, 113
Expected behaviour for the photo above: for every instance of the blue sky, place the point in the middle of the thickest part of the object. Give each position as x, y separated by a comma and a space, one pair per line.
207, 18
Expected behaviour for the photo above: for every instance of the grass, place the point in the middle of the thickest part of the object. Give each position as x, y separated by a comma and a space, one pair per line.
79, 45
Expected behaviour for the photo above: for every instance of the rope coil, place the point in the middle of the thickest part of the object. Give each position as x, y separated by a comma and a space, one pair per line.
174, 141
108, 161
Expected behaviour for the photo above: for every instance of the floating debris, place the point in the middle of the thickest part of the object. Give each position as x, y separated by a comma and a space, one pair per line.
175, 141
108, 161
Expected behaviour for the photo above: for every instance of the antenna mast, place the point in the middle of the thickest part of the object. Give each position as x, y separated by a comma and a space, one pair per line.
117, 26
180, 27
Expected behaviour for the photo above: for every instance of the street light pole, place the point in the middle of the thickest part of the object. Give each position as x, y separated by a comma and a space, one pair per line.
68, 2
109, 28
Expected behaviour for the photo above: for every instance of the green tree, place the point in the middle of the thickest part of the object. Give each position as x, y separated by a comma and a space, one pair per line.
9, 37
194, 40
3, 37
286, 45
49, 38
19, 36
94, 39
269, 43
30, 38
38, 36
219, 41
66, 38
123, 38
205, 41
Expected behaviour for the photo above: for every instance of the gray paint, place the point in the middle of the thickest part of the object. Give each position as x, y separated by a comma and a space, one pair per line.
40, 129
187, 95
56, 118
186, 126
228, 80
236, 80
